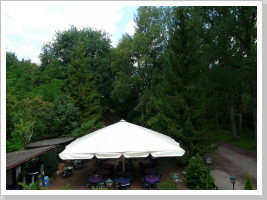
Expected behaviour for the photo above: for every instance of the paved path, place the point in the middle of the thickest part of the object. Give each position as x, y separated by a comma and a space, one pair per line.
229, 160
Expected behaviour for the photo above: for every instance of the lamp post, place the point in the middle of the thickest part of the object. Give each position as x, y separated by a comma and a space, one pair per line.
208, 160
233, 180
109, 183
175, 179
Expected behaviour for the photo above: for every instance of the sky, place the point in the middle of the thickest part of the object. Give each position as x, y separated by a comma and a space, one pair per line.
30, 25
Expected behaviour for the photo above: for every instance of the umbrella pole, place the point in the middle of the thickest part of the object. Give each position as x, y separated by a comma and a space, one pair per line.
123, 166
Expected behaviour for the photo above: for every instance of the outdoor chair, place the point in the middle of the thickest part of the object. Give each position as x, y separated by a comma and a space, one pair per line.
145, 183
75, 164
126, 186
89, 184
159, 175
117, 185
66, 172
101, 184
155, 185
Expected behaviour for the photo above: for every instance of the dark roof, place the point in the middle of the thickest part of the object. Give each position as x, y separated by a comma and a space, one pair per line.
16, 158
110, 118
49, 142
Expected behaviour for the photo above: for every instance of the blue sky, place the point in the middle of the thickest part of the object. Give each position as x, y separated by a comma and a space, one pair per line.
29, 24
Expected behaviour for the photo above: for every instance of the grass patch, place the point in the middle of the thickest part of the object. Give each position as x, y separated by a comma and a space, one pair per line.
246, 141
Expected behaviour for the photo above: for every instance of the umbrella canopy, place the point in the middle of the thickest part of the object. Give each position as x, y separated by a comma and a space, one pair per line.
119, 139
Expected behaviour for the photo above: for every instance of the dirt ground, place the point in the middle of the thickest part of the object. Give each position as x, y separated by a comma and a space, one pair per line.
227, 160
79, 178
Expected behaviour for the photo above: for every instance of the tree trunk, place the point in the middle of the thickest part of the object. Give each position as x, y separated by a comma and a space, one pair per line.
255, 121
233, 123
232, 116
240, 116
254, 99
217, 119
240, 122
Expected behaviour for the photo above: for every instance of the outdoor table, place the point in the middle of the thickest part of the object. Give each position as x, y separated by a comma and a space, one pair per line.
67, 170
152, 178
103, 172
122, 180
95, 178
106, 166
150, 171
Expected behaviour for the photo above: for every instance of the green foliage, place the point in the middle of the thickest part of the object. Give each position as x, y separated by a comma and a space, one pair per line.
198, 175
246, 141
31, 186
14, 144
11, 60
49, 159
31, 118
98, 188
179, 74
180, 100
66, 187
81, 87
49, 91
94, 49
168, 185
248, 183
33, 165
22, 131
66, 117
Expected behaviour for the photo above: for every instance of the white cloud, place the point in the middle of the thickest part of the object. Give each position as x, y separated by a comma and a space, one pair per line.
130, 28
39, 22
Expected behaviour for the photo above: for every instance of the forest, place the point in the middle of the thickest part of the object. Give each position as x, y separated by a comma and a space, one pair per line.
187, 72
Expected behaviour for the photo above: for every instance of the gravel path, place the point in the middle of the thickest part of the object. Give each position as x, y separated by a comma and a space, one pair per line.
230, 160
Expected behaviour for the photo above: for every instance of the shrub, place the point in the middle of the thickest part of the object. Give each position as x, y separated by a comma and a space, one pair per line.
168, 185
31, 186
98, 187
66, 187
49, 159
248, 183
197, 175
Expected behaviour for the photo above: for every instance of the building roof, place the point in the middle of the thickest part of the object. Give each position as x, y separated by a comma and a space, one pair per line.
16, 158
49, 142
110, 118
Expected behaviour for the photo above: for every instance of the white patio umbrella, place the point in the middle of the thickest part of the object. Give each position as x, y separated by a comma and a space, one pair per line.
122, 139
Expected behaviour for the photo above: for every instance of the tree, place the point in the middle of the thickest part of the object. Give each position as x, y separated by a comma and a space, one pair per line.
149, 45
180, 100
248, 183
81, 88
66, 117
29, 121
125, 91
197, 175
11, 60
49, 159
95, 47
231, 37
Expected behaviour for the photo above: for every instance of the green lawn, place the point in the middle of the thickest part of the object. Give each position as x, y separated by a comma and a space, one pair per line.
246, 141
